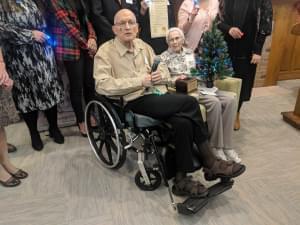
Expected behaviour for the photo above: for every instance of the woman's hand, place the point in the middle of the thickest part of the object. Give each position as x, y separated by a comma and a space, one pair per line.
181, 77
92, 47
5, 81
255, 59
235, 32
39, 36
3, 73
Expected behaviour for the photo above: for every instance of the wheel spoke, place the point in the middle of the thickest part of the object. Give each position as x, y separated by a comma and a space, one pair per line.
108, 150
113, 145
100, 147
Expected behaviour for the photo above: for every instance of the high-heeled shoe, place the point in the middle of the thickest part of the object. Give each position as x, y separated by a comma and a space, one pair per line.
56, 135
83, 134
237, 124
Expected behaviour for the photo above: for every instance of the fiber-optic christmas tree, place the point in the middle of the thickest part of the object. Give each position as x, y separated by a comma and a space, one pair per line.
213, 61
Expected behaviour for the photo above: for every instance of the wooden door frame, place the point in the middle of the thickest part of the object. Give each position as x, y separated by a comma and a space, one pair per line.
276, 51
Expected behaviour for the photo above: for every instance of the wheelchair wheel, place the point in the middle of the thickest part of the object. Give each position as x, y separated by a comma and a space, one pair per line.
106, 139
154, 177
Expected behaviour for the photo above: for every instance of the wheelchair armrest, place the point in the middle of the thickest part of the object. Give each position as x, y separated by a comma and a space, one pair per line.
115, 100
114, 106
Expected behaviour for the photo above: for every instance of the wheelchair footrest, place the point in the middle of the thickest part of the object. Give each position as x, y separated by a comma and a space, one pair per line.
192, 205
219, 188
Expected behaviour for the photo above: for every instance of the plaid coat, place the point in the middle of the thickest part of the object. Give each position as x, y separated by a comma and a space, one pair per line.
66, 30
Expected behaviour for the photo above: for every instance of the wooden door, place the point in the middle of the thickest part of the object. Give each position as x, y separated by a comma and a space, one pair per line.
284, 59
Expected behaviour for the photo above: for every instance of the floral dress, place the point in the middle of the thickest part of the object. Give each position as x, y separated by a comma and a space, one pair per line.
8, 113
29, 63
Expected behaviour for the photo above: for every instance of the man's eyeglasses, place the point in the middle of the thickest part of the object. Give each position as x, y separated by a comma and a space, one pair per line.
125, 24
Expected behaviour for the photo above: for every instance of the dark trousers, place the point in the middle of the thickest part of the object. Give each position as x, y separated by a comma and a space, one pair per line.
183, 113
244, 70
81, 80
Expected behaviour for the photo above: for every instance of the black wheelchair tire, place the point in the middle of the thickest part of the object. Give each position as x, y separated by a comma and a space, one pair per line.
155, 179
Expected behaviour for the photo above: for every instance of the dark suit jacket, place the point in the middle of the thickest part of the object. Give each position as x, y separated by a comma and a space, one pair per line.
102, 14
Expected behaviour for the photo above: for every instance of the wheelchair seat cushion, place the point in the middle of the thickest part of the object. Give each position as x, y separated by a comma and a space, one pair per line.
140, 121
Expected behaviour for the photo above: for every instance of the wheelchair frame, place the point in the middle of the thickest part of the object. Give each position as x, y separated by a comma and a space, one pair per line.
109, 132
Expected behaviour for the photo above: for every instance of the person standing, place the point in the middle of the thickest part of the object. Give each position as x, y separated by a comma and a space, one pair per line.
102, 14
158, 44
245, 25
195, 18
9, 175
31, 66
76, 47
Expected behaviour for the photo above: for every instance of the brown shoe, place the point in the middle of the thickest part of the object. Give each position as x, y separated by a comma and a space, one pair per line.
11, 148
188, 187
223, 169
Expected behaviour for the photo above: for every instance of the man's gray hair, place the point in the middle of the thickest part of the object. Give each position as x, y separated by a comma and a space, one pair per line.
174, 29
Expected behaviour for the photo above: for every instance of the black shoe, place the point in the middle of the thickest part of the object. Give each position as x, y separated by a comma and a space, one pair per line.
56, 135
11, 148
11, 182
36, 142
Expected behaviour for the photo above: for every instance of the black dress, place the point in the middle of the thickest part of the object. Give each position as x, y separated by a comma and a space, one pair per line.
254, 19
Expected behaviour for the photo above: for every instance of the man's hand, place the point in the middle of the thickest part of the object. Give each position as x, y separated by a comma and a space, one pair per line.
92, 47
235, 32
156, 77
39, 36
147, 81
144, 7
255, 59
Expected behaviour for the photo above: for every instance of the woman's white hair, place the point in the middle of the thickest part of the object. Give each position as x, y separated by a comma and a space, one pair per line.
172, 29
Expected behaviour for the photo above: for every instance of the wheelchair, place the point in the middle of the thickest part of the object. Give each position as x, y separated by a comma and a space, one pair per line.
117, 131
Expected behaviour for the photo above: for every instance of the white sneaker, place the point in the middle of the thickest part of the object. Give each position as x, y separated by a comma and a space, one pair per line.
232, 155
219, 153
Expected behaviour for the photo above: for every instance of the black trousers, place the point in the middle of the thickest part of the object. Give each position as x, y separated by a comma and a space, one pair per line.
81, 80
183, 113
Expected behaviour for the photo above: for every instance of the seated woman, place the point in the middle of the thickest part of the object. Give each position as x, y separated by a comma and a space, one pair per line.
220, 109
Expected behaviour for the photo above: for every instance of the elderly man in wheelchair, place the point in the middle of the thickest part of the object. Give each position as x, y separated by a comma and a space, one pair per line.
132, 94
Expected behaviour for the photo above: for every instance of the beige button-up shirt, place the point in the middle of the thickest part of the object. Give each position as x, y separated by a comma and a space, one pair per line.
120, 72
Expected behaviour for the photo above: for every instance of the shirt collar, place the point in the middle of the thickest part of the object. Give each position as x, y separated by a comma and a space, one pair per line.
122, 49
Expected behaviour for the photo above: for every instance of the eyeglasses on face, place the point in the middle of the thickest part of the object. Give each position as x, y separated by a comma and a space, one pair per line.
124, 24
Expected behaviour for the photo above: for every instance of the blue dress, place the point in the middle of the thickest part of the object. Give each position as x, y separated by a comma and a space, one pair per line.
30, 64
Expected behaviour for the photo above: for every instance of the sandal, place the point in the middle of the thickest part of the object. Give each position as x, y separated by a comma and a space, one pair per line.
11, 182
188, 187
223, 169
20, 174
